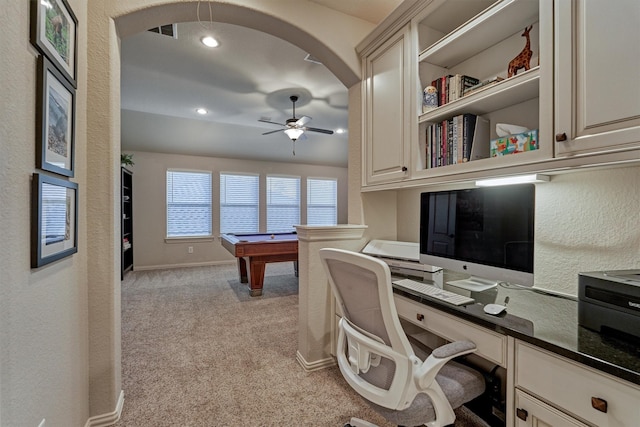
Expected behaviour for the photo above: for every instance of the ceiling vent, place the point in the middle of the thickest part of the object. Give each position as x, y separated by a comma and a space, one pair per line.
166, 30
313, 59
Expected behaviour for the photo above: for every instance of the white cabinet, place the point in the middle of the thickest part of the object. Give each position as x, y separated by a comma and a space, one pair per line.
386, 102
598, 64
532, 412
573, 390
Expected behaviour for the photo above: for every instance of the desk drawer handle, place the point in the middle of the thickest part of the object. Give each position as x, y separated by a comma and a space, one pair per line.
522, 414
599, 404
420, 317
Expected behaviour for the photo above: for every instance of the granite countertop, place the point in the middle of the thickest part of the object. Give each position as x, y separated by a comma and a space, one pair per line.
549, 321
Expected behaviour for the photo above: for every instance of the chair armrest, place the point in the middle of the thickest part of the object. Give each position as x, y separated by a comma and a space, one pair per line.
427, 372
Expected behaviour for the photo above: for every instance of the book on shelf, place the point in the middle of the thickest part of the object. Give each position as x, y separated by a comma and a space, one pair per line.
481, 85
451, 87
459, 139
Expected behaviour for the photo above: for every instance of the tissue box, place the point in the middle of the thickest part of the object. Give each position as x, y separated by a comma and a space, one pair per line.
526, 141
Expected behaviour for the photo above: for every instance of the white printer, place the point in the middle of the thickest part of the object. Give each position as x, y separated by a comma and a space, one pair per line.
403, 259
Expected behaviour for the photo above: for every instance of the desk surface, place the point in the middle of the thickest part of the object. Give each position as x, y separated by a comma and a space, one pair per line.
547, 321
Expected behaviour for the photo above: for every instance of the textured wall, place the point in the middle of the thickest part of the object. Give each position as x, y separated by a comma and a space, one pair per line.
585, 221
43, 312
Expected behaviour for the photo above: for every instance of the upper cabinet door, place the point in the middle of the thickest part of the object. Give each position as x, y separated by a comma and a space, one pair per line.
386, 103
597, 76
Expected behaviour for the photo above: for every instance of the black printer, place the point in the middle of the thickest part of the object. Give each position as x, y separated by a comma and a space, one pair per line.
610, 300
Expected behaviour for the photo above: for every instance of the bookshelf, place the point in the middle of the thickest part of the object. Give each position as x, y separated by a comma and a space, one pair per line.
479, 42
126, 191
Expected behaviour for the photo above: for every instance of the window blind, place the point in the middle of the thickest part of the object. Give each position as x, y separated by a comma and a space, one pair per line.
188, 204
322, 201
283, 203
239, 209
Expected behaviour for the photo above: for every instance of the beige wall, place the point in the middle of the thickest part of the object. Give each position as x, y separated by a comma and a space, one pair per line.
43, 312
149, 204
585, 221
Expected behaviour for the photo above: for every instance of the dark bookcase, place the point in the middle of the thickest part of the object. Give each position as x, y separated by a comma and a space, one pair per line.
127, 220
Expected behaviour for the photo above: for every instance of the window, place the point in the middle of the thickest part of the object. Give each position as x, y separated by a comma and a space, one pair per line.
283, 203
239, 203
322, 201
188, 204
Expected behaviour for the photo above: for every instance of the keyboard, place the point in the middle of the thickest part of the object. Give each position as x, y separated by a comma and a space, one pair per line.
433, 292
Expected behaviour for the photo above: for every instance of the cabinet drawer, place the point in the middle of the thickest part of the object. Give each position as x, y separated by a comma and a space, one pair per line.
491, 345
532, 412
570, 386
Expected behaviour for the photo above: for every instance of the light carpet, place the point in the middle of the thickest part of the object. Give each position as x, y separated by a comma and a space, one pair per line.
197, 350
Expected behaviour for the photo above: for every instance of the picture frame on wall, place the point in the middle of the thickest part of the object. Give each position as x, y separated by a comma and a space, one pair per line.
54, 32
54, 219
55, 120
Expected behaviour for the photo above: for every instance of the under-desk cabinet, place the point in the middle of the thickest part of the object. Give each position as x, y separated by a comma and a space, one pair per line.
597, 67
554, 391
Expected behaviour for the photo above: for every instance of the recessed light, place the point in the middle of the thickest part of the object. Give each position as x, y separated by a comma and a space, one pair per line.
209, 41
202, 111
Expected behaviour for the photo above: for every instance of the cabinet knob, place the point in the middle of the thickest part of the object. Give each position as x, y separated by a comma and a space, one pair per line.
522, 414
599, 404
561, 137
404, 169
420, 317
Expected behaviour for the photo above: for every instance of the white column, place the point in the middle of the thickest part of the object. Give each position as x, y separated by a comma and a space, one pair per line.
315, 307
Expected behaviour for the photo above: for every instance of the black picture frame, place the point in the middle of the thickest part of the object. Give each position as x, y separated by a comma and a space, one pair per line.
55, 120
54, 32
54, 219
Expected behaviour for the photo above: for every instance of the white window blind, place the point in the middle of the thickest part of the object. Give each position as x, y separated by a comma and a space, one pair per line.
283, 203
322, 201
188, 204
239, 195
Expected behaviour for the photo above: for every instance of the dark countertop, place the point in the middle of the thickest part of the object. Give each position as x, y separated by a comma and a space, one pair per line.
549, 321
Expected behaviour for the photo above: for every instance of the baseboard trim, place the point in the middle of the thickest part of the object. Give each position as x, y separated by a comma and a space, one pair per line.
109, 418
193, 264
314, 366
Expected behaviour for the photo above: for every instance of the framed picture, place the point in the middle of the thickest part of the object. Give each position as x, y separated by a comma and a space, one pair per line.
54, 33
55, 120
54, 219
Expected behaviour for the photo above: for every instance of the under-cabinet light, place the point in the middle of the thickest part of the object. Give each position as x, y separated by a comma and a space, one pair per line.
510, 180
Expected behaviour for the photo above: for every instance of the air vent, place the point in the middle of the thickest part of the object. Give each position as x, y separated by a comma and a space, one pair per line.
166, 30
312, 59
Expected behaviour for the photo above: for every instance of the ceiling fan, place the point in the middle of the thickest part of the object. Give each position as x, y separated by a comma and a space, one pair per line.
295, 128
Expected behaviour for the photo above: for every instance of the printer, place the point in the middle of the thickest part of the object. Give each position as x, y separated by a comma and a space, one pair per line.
610, 300
403, 259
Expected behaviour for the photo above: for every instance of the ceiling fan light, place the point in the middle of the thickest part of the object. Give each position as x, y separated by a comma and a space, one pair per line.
294, 133
209, 41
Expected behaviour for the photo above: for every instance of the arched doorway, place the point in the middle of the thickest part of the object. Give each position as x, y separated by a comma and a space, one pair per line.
108, 21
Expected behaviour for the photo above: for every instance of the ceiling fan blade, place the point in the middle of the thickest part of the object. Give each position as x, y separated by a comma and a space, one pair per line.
273, 131
303, 121
273, 123
328, 132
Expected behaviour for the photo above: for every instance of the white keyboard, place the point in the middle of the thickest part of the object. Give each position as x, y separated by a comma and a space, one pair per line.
433, 292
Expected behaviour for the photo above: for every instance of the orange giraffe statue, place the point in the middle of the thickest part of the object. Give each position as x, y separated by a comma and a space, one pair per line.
523, 58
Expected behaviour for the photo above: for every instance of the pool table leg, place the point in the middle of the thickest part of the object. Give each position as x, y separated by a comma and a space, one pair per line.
256, 270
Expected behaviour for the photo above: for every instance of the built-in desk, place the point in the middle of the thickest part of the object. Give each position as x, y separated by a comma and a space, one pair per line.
558, 371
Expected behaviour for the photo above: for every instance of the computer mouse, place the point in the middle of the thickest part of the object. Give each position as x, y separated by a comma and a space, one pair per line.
494, 309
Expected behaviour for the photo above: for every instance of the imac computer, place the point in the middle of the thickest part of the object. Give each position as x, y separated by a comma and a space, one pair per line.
485, 232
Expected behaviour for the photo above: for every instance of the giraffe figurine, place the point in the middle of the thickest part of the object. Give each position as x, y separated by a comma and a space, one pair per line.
523, 58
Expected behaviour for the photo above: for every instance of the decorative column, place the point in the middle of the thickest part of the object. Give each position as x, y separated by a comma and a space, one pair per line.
316, 304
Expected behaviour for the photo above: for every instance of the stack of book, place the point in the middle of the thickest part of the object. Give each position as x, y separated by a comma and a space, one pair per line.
481, 85
126, 244
452, 87
449, 142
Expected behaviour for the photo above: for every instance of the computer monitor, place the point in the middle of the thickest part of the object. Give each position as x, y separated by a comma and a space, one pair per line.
485, 232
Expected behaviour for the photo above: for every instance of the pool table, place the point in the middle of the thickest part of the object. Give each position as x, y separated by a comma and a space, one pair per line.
256, 250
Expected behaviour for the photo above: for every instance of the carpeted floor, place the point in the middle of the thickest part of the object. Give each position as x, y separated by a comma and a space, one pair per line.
198, 351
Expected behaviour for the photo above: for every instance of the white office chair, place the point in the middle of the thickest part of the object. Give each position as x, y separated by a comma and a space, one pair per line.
408, 386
